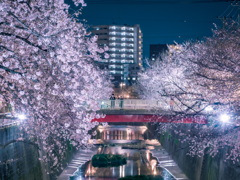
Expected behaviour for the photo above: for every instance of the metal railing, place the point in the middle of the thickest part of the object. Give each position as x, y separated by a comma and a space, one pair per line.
133, 104
7, 122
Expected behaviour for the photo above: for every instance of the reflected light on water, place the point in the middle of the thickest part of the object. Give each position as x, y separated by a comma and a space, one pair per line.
153, 165
148, 155
129, 142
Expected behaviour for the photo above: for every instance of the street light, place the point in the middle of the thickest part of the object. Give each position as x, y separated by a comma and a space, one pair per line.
121, 86
225, 118
21, 116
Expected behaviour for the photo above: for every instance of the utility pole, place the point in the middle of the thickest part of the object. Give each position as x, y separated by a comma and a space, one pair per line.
231, 13
236, 3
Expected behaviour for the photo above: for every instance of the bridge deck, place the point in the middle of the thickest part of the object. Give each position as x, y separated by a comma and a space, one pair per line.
152, 118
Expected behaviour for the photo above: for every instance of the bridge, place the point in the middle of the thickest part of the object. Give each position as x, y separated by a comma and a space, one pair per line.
128, 110
137, 110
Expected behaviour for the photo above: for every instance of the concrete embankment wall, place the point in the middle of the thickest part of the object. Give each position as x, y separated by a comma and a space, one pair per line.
18, 160
196, 168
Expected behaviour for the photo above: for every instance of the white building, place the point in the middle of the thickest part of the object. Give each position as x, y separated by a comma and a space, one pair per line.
125, 51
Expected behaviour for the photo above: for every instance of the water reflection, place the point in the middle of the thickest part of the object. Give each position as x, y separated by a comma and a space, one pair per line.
121, 132
129, 142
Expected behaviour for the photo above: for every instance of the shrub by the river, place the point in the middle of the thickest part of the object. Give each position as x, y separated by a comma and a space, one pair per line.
106, 160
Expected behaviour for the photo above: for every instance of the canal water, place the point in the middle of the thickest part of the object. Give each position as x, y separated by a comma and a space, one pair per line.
129, 142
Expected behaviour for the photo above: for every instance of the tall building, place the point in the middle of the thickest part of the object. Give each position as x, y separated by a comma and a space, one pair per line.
125, 51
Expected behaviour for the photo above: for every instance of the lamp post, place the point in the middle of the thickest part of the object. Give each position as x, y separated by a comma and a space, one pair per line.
121, 86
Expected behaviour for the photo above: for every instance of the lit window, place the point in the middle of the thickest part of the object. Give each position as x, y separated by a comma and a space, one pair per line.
112, 27
113, 55
123, 44
113, 44
113, 38
134, 78
123, 28
113, 49
123, 39
131, 56
124, 55
97, 28
123, 34
123, 50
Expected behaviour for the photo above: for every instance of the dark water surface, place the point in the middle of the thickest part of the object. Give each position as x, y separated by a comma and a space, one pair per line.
127, 141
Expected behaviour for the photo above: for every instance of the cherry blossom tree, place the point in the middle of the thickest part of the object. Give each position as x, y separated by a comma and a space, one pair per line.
193, 77
47, 72
198, 73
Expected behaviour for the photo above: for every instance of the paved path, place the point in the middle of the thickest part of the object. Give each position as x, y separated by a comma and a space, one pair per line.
79, 159
166, 162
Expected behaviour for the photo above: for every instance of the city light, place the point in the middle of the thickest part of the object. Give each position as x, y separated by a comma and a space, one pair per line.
209, 109
224, 118
21, 116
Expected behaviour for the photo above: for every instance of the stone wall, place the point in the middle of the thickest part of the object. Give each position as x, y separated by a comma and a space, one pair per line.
197, 168
18, 160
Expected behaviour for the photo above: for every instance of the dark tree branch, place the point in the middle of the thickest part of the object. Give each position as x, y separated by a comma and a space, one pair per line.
23, 39
9, 70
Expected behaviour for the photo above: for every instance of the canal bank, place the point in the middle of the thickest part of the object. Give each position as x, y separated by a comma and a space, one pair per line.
19, 157
196, 168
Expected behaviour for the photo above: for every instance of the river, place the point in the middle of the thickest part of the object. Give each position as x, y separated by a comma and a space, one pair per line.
127, 141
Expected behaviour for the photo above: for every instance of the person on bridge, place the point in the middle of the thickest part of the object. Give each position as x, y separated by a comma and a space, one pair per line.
171, 103
121, 102
112, 98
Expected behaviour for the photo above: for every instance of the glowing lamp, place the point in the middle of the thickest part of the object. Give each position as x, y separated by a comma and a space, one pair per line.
224, 118
21, 116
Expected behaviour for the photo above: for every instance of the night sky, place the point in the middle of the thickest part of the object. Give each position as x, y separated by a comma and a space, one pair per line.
161, 21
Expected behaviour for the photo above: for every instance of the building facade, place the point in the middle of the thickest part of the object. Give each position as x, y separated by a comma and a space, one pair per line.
125, 51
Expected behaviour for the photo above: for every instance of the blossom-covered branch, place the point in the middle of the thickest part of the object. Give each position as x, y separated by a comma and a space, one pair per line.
47, 72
